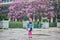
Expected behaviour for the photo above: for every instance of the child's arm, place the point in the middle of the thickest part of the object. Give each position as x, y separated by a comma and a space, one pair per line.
32, 25
27, 25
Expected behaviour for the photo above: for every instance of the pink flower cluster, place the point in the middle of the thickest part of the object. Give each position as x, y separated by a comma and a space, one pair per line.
20, 8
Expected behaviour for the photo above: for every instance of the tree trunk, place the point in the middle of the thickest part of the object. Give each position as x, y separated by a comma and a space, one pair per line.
33, 18
15, 20
37, 19
51, 19
9, 19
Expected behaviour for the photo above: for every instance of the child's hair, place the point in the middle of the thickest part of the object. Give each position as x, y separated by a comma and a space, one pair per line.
30, 19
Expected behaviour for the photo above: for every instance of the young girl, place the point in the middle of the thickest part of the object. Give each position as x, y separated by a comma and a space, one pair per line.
30, 25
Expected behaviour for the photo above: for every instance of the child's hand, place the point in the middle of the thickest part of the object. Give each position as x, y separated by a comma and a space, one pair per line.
28, 28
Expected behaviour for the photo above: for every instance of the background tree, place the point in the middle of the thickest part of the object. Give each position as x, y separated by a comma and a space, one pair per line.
39, 8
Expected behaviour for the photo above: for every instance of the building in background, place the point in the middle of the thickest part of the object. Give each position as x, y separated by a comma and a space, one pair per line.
4, 4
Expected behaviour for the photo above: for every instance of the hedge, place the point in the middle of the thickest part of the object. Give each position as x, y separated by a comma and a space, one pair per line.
15, 24
54, 24
20, 24
3, 16
58, 20
35, 24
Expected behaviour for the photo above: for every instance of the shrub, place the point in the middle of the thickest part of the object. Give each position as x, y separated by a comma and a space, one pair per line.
3, 17
53, 24
15, 24
45, 20
19, 24
35, 24
25, 18
58, 20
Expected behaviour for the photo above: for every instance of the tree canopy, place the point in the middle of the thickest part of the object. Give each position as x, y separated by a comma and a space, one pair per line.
20, 8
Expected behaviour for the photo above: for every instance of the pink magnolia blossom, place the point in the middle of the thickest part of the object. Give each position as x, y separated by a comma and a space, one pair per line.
52, 13
21, 8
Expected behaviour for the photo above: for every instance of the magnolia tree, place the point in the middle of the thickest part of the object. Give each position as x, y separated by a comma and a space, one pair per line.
20, 8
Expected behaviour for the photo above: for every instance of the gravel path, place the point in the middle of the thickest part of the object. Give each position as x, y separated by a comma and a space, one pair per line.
38, 34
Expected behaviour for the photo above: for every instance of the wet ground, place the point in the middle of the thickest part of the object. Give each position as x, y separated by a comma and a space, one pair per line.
38, 34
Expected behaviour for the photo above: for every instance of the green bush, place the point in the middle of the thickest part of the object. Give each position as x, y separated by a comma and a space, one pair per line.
54, 24
20, 24
45, 20
15, 24
25, 18
58, 20
35, 24
3, 16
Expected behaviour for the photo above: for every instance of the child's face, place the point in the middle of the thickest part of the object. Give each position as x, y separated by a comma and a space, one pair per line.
30, 22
